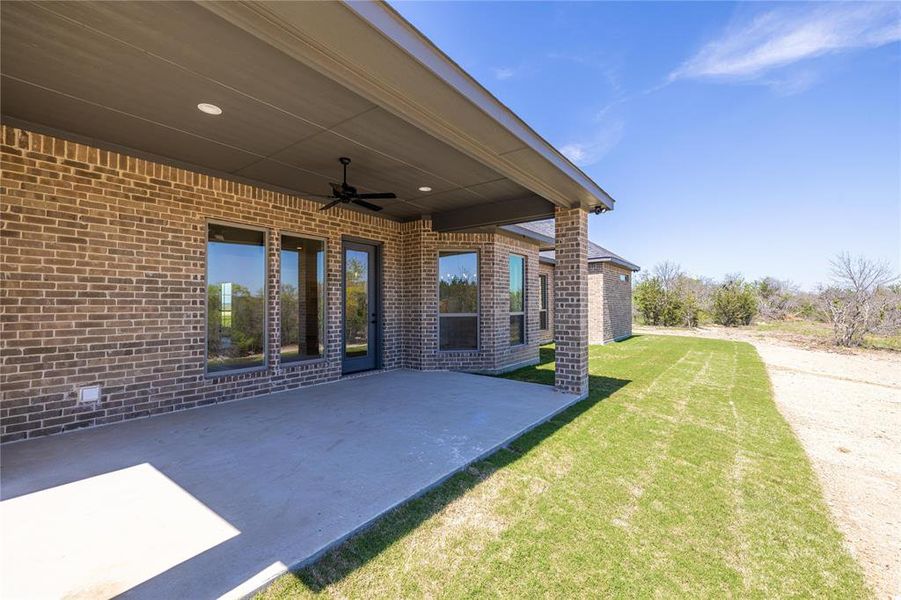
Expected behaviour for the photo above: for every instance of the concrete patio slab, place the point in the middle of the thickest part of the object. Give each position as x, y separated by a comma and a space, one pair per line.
219, 500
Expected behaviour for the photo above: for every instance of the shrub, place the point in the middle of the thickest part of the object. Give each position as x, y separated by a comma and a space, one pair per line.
691, 310
776, 299
860, 298
734, 302
650, 300
807, 307
667, 298
890, 311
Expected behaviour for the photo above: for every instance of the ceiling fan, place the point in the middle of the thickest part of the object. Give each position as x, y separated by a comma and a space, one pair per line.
342, 193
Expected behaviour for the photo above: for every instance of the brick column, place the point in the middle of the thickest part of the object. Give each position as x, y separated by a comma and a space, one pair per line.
571, 301
274, 275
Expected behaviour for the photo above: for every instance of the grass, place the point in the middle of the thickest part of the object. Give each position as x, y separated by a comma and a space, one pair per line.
822, 332
814, 329
676, 478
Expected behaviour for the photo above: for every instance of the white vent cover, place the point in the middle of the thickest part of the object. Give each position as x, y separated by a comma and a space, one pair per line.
89, 394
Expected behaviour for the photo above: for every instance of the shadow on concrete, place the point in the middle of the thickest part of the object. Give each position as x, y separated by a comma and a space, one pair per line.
290, 473
353, 554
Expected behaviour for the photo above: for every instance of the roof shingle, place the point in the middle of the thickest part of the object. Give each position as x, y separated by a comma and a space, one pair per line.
547, 229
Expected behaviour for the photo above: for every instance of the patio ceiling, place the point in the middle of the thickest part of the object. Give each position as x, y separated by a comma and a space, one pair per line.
300, 84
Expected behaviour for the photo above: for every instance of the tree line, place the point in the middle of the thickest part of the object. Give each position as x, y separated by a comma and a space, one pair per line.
237, 330
862, 297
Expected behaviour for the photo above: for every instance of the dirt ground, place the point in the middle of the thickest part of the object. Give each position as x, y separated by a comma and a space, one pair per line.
845, 408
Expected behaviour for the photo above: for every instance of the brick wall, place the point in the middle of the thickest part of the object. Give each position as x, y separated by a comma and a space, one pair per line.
595, 303
546, 336
571, 301
609, 303
618, 296
103, 266
494, 353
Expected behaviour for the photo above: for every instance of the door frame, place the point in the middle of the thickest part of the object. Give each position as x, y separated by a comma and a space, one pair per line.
375, 279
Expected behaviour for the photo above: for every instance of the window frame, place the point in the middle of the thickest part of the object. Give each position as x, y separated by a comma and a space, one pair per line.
379, 305
477, 314
543, 298
524, 312
325, 304
206, 308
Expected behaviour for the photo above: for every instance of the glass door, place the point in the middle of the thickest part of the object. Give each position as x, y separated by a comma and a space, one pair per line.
361, 314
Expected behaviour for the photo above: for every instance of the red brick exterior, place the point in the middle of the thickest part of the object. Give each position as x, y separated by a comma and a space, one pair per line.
103, 281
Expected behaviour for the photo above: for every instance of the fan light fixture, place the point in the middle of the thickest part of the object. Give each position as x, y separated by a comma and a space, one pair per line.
425, 188
343, 193
210, 109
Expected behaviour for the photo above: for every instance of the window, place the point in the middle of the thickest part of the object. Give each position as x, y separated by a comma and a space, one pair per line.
458, 301
236, 298
624, 278
542, 307
356, 303
517, 300
302, 299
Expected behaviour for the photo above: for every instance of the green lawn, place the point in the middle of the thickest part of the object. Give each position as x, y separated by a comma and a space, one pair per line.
676, 478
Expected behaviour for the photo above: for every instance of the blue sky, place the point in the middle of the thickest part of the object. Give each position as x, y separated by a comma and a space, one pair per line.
241, 264
759, 138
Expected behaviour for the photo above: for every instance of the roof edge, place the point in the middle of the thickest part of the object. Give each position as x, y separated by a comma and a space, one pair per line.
616, 261
296, 30
545, 242
476, 92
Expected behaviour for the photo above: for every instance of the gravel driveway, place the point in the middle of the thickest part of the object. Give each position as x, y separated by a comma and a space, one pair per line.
846, 410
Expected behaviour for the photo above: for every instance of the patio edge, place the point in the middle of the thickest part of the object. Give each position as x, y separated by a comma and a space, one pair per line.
250, 588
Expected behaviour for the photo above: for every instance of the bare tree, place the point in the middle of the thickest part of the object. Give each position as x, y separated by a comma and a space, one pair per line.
891, 321
669, 274
776, 297
856, 300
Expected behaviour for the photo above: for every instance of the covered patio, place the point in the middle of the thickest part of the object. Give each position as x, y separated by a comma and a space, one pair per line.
175, 225
176, 237
219, 500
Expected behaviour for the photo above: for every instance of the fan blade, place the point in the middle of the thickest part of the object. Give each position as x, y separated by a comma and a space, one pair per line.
377, 196
330, 204
365, 204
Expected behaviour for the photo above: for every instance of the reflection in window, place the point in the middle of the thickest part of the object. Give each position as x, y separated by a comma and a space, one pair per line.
302, 298
517, 300
236, 298
225, 297
356, 303
458, 300
542, 312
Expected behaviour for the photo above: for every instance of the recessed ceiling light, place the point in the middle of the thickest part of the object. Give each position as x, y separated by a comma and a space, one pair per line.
210, 109
425, 188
